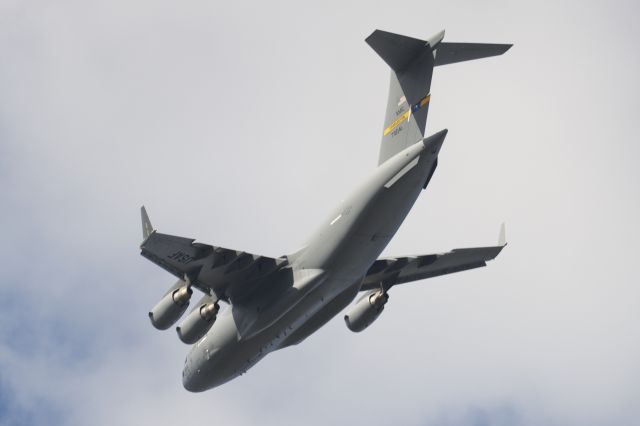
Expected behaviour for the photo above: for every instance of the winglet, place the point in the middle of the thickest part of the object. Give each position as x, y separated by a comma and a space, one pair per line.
147, 228
502, 239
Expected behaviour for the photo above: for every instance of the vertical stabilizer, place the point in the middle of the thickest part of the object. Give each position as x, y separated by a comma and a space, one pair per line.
411, 62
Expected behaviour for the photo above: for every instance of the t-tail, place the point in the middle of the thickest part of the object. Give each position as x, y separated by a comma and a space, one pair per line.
412, 61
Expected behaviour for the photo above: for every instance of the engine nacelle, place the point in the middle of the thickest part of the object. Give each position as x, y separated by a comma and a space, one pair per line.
170, 308
366, 310
199, 321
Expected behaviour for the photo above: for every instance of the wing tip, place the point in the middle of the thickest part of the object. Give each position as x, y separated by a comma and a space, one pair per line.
502, 237
505, 48
147, 228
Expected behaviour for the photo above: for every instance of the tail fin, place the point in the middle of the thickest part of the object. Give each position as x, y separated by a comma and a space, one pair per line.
412, 61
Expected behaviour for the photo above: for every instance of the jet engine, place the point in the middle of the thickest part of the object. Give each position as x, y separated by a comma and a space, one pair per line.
199, 321
366, 310
171, 307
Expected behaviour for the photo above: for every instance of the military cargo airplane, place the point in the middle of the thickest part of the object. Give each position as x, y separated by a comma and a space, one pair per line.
278, 302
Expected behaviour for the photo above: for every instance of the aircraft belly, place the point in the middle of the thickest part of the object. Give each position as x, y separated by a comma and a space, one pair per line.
253, 316
225, 354
364, 223
323, 315
338, 257
386, 213
377, 223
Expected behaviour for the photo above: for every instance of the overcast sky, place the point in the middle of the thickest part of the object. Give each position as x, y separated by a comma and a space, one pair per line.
242, 125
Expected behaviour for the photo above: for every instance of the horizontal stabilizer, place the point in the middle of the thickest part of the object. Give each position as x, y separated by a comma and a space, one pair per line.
450, 53
400, 51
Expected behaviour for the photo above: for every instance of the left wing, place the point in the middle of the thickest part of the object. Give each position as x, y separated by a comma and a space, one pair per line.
228, 273
387, 272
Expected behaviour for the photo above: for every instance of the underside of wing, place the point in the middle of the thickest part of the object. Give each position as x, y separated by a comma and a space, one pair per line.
227, 273
387, 272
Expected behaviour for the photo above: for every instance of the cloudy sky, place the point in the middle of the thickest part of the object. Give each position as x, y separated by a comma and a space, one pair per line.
242, 125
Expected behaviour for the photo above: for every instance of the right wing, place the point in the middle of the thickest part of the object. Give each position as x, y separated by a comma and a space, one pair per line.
228, 273
387, 272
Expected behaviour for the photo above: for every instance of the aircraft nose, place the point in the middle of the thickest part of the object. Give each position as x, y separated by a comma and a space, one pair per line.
186, 380
191, 377
194, 384
189, 381
188, 376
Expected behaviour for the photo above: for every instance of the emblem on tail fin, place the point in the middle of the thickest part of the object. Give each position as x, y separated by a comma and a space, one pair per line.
406, 115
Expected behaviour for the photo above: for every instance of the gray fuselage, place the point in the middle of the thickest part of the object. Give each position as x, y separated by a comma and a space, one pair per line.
327, 272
